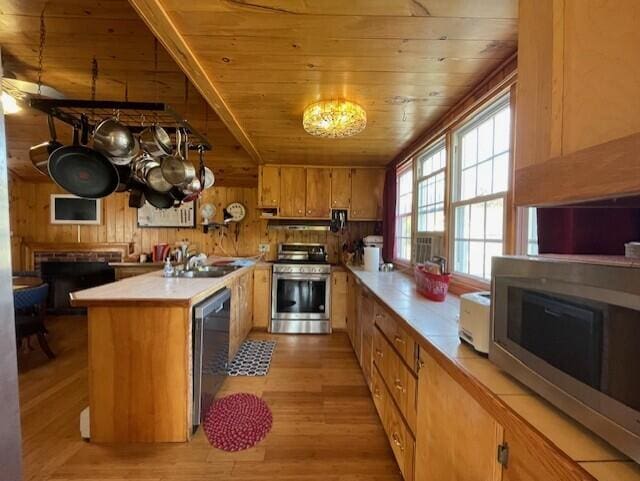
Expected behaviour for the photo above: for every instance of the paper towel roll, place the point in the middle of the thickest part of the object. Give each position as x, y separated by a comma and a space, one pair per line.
371, 259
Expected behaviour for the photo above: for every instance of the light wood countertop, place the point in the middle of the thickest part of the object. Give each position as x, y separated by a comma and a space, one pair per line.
436, 324
153, 288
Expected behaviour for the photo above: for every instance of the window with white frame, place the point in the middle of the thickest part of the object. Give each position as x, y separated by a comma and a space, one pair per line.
480, 184
404, 203
430, 172
532, 231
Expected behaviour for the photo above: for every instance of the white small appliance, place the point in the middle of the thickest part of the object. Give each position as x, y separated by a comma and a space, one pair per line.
475, 320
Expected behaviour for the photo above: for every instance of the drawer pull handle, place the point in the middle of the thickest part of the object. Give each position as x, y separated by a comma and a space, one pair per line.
376, 393
397, 442
399, 340
399, 386
379, 353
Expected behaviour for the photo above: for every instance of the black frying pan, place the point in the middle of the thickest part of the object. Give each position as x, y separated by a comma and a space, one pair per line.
158, 199
83, 171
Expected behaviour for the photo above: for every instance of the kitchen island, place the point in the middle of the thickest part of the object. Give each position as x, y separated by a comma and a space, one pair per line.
140, 359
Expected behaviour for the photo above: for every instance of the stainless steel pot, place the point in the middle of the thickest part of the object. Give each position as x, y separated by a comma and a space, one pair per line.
39, 154
156, 180
156, 141
137, 150
176, 168
115, 141
142, 167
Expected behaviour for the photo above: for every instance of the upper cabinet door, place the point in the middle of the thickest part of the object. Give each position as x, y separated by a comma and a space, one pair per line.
293, 184
318, 189
269, 186
366, 194
340, 188
577, 122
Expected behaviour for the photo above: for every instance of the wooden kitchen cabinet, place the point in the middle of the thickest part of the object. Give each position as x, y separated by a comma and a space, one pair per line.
241, 312
340, 188
365, 323
353, 293
317, 195
400, 438
293, 181
577, 122
269, 186
338, 300
366, 194
261, 297
456, 439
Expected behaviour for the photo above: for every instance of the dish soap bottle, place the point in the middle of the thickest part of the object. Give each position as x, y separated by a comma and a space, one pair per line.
168, 268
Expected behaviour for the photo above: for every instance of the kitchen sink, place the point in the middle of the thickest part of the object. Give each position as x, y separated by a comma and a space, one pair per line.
207, 271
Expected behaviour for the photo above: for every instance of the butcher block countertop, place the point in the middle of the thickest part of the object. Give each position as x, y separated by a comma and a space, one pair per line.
153, 288
435, 326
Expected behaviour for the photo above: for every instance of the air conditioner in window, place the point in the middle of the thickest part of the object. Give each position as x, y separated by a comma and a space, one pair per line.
427, 246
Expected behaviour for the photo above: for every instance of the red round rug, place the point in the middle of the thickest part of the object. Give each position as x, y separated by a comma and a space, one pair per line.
237, 422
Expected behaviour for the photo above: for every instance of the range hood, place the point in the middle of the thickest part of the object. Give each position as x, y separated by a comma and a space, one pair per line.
298, 224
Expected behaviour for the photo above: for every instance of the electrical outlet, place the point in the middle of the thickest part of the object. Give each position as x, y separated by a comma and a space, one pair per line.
263, 248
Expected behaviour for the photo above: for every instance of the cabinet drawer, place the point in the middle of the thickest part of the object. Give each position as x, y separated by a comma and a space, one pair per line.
397, 336
378, 391
400, 438
400, 381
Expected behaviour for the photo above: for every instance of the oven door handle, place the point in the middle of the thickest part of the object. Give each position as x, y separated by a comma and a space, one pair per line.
301, 277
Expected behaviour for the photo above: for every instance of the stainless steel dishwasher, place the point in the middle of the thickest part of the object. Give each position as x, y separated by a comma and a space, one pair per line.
210, 350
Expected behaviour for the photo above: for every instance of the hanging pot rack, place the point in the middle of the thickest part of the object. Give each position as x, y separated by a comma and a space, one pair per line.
135, 115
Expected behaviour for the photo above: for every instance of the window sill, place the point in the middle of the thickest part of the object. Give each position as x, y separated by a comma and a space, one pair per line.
402, 266
461, 284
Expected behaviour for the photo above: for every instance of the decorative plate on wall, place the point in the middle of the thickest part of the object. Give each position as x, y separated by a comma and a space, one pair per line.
237, 211
183, 216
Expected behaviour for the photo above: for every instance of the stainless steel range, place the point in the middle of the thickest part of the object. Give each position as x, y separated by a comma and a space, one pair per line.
301, 292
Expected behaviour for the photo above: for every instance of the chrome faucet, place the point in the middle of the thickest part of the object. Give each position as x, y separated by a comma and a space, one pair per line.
187, 263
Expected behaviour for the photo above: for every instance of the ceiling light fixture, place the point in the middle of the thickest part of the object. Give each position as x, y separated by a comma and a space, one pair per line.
334, 119
9, 104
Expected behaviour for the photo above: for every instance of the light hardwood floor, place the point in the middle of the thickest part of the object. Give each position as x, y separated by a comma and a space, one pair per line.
325, 424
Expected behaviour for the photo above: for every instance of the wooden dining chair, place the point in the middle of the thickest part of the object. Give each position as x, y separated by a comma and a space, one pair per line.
30, 307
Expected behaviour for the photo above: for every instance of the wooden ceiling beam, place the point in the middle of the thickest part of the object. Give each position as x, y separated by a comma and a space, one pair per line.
157, 19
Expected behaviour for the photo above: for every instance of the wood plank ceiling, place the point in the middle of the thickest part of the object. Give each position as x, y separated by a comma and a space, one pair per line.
258, 65
126, 51
405, 61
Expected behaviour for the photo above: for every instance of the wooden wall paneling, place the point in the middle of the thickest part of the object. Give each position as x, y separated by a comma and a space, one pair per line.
29, 213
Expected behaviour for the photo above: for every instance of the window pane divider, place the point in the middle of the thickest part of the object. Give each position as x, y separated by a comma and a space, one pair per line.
478, 200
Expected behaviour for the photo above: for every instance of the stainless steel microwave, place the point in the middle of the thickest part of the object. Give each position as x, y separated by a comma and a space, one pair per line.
571, 332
